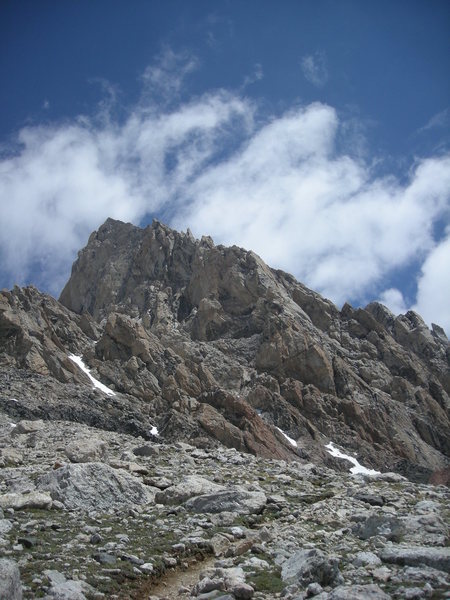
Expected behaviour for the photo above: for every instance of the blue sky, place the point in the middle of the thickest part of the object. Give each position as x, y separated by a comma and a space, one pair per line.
314, 133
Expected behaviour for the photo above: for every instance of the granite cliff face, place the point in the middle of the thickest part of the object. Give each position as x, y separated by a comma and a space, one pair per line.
212, 345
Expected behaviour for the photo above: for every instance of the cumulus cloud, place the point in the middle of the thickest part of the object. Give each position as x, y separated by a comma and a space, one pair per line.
277, 185
394, 300
289, 197
314, 68
434, 285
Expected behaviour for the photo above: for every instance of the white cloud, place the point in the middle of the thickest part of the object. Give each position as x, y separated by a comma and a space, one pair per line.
164, 78
433, 292
277, 186
257, 75
289, 197
394, 300
439, 120
433, 295
315, 69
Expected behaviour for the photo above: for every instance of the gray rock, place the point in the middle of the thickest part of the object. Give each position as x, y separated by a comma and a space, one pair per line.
147, 568
366, 559
431, 576
9, 457
71, 590
219, 544
311, 566
24, 427
95, 486
191, 485
387, 526
240, 502
242, 591
10, 585
146, 450
5, 526
372, 499
313, 589
358, 592
27, 541
24, 501
54, 577
104, 558
206, 585
437, 558
86, 450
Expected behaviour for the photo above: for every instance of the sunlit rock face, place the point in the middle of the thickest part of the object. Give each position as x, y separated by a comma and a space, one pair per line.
211, 346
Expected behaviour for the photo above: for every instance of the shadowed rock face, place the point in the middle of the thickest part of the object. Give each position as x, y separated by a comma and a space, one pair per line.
214, 346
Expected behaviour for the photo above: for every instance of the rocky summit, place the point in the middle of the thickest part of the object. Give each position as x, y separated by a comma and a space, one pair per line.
183, 421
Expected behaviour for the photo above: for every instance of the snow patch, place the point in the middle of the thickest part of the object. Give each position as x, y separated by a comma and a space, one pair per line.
290, 440
98, 384
357, 469
154, 430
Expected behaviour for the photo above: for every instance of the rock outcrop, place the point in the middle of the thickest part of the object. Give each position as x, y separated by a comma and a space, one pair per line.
212, 346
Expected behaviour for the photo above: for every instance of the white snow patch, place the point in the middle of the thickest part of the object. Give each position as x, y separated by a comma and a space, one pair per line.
13, 425
290, 440
98, 384
357, 468
154, 430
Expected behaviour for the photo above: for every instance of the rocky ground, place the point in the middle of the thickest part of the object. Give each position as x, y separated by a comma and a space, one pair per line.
89, 513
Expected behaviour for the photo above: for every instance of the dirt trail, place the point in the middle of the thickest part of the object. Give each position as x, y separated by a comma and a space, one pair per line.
168, 587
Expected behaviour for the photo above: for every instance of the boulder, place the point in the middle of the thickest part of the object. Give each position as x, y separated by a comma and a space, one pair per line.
19, 501
24, 427
311, 566
10, 585
95, 486
86, 450
358, 592
390, 527
437, 558
189, 486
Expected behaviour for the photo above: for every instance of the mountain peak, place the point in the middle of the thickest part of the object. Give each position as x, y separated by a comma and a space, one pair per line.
220, 346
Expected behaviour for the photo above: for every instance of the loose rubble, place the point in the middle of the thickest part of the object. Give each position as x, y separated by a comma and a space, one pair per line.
118, 525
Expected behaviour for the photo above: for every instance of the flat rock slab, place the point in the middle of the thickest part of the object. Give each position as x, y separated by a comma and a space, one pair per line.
240, 502
19, 501
71, 590
189, 486
95, 486
437, 558
358, 592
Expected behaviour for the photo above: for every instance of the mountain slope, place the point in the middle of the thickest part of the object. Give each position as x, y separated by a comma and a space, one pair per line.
214, 346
